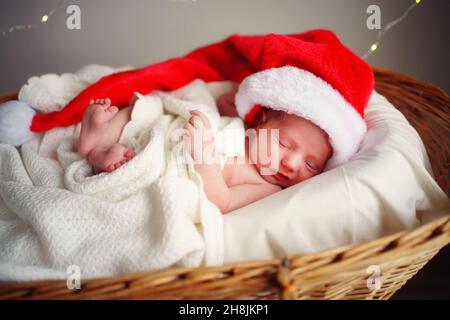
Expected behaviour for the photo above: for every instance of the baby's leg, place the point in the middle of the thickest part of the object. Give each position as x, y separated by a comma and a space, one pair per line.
101, 128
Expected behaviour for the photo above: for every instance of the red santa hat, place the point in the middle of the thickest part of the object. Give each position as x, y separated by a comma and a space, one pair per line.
310, 74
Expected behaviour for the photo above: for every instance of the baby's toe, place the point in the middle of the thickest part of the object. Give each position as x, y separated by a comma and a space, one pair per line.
112, 109
110, 168
130, 153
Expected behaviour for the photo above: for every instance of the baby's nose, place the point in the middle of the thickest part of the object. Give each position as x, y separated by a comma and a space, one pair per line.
291, 163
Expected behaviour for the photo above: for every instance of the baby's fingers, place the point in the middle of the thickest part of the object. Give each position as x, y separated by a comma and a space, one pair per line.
196, 122
189, 128
202, 117
191, 131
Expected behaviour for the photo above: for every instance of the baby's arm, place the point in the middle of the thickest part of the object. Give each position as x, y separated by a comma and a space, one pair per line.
230, 198
214, 185
224, 197
244, 194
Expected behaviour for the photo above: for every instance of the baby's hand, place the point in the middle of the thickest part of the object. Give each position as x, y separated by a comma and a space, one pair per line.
199, 138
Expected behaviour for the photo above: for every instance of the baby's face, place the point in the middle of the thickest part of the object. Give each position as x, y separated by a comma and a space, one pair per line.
303, 149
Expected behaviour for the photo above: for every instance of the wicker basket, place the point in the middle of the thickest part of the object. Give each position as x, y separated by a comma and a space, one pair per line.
333, 274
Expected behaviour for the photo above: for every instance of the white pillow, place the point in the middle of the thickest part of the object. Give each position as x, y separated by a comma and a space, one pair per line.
385, 188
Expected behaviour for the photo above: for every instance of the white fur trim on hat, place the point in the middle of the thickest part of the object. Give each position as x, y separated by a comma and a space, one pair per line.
15, 121
297, 91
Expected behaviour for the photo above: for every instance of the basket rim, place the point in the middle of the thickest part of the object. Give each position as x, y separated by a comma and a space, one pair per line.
438, 228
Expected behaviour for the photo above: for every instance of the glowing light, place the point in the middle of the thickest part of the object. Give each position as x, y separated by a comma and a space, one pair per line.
44, 18
391, 24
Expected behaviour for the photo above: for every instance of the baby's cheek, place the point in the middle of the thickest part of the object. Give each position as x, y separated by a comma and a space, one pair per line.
304, 175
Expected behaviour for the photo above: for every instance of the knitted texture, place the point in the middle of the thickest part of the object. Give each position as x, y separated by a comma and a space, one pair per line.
149, 214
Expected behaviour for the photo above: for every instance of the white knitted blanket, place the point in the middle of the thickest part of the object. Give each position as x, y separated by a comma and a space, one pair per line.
149, 214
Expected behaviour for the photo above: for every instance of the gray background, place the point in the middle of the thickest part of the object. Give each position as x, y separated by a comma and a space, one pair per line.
138, 32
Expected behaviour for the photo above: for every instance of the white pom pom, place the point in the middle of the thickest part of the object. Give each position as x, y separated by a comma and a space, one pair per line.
15, 122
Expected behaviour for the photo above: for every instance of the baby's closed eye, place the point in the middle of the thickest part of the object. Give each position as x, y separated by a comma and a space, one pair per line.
312, 165
284, 143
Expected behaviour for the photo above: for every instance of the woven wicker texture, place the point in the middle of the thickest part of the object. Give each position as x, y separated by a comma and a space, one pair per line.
340, 273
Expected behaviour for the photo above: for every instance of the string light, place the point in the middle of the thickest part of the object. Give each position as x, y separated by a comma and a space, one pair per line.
373, 47
22, 27
391, 24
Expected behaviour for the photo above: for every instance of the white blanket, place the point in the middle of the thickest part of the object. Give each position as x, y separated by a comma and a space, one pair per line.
149, 214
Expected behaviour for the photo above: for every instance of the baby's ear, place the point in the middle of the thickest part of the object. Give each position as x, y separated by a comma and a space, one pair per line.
262, 117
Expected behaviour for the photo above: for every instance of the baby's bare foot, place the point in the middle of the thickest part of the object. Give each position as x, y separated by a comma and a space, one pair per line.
109, 159
93, 126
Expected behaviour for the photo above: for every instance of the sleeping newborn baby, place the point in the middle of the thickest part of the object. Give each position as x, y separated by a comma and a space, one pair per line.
308, 88
298, 151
